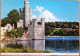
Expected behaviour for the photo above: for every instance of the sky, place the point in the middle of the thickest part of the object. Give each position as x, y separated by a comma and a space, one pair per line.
50, 10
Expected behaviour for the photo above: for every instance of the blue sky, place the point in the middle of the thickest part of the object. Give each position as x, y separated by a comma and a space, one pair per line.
59, 10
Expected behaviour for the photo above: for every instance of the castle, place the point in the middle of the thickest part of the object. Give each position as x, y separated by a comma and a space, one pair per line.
35, 30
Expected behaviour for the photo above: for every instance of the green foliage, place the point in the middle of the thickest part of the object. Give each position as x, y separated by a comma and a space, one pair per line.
58, 28
11, 50
20, 32
14, 45
26, 50
4, 21
12, 18
63, 24
63, 32
4, 39
26, 28
15, 33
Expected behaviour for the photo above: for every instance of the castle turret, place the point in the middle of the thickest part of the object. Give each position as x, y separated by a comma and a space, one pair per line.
21, 10
26, 6
34, 22
43, 27
30, 15
43, 22
22, 13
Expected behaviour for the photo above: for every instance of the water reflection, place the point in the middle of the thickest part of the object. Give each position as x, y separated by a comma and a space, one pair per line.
62, 45
14, 45
38, 44
34, 44
58, 45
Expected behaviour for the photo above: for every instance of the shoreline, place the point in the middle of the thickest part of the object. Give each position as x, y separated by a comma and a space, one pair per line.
13, 40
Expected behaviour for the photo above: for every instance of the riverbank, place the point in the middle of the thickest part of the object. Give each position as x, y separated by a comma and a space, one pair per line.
13, 40
65, 45
23, 50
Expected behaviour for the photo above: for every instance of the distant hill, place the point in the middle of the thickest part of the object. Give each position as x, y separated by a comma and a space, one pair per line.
62, 28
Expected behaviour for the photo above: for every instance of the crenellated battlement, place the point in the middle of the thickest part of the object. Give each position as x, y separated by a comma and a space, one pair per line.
30, 10
35, 22
26, 1
35, 30
21, 9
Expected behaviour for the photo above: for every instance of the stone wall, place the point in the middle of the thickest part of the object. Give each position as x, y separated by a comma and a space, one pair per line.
22, 13
26, 13
36, 31
20, 23
38, 45
3, 30
8, 27
26, 7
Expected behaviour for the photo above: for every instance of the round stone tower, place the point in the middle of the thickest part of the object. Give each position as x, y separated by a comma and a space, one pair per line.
26, 12
43, 27
30, 15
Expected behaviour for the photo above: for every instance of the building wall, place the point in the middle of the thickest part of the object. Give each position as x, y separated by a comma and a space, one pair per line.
26, 13
36, 31
8, 27
20, 24
30, 31
3, 30
22, 13
38, 45
30, 15
26, 7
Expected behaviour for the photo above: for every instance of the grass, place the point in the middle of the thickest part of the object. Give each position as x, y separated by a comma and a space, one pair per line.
4, 39
56, 29
24, 50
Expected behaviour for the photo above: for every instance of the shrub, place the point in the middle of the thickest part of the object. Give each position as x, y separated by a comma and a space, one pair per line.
4, 39
15, 33
26, 50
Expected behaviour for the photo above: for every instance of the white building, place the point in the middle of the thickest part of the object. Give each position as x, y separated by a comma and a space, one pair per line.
3, 30
8, 27
20, 23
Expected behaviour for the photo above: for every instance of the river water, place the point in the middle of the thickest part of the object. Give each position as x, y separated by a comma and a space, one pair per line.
54, 44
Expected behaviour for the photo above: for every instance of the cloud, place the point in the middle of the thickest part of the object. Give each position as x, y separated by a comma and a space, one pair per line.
34, 16
39, 9
49, 17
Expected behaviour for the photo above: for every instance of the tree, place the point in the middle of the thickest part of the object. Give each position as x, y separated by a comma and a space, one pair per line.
4, 21
48, 32
12, 18
15, 33
20, 32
